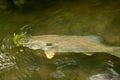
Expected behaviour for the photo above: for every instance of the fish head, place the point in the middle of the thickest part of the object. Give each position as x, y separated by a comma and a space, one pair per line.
34, 45
47, 47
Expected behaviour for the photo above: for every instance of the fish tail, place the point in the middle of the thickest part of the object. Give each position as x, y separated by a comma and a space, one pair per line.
116, 51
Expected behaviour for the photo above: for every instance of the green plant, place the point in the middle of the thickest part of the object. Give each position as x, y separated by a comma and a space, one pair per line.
17, 37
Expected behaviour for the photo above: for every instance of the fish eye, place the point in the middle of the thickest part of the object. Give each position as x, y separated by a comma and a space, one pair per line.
26, 41
48, 44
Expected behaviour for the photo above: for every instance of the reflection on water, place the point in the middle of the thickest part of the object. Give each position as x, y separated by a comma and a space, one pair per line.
109, 74
6, 59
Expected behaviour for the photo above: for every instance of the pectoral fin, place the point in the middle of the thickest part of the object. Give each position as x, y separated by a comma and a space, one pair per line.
49, 54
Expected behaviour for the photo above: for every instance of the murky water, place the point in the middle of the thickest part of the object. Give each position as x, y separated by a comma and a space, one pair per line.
68, 18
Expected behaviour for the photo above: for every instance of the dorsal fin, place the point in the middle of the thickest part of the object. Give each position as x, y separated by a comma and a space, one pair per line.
95, 38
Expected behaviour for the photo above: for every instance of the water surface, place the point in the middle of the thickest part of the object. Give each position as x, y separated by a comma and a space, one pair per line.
68, 18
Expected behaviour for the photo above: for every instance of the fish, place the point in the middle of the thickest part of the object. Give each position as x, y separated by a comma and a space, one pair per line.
52, 44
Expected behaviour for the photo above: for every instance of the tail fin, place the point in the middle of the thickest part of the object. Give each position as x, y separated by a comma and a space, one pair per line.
116, 52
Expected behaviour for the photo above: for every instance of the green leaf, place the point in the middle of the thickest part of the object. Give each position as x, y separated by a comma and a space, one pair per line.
17, 37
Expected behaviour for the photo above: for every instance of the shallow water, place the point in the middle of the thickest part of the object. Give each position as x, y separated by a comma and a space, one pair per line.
69, 18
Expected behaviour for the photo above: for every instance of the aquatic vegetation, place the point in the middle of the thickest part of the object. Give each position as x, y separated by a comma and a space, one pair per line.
17, 37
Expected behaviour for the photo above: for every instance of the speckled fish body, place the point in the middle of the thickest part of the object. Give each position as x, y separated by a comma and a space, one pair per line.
52, 44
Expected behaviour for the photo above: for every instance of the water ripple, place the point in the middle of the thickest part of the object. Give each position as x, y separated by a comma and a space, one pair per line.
61, 63
6, 59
